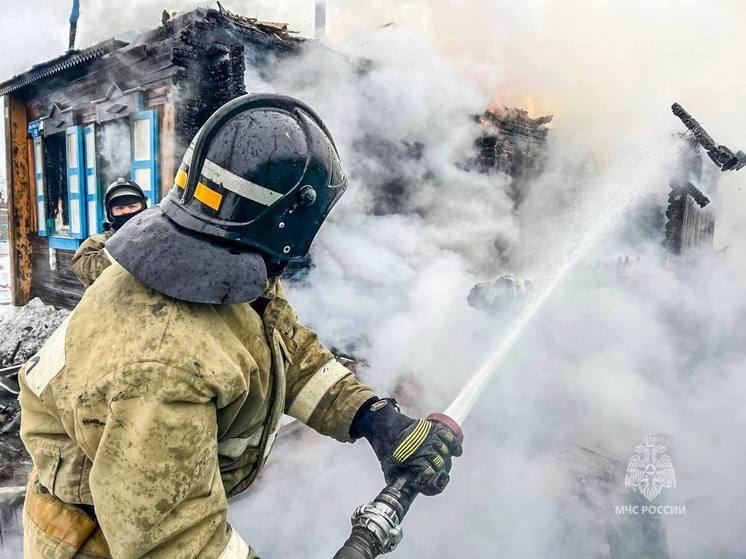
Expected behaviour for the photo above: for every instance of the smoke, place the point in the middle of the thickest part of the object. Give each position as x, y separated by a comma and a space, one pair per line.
612, 356
609, 358
114, 150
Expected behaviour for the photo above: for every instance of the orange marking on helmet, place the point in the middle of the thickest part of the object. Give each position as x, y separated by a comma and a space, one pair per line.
208, 196
181, 179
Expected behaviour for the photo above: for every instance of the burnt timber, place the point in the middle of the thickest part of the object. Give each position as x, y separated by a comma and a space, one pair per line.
690, 221
512, 143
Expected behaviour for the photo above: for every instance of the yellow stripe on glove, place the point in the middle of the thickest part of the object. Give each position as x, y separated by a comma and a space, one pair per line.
413, 441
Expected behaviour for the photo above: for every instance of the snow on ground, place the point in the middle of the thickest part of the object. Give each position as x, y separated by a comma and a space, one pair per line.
4, 278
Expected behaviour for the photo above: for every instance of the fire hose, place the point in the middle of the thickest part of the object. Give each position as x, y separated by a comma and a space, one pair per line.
376, 527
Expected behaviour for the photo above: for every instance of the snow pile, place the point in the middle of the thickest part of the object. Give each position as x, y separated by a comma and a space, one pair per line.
25, 329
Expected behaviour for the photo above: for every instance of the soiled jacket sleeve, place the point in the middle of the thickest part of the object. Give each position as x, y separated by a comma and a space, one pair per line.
90, 260
321, 392
155, 479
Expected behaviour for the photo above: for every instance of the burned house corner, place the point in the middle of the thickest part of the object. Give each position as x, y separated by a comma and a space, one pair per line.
212, 52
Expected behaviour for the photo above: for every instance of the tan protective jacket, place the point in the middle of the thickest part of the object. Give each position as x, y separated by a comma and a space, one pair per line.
90, 260
142, 413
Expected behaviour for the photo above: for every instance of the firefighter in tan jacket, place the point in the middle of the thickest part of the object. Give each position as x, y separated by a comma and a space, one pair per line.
123, 201
139, 435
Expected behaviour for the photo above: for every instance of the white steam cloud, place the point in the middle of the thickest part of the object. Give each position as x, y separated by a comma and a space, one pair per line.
659, 348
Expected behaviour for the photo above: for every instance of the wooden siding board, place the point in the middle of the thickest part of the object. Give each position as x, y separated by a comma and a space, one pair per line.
57, 287
20, 202
169, 162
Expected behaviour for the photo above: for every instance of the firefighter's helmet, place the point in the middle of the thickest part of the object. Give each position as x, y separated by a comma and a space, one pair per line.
263, 171
255, 185
123, 191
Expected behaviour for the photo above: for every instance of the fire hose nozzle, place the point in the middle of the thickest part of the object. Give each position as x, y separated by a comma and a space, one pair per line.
449, 422
376, 527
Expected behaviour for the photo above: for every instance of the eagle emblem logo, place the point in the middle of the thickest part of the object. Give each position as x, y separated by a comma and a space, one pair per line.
650, 469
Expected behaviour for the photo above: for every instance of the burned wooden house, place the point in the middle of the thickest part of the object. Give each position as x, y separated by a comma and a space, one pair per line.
123, 107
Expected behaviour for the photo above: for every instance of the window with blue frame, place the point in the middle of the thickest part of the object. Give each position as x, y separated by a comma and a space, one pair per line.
114, 154
73, 168
145, 153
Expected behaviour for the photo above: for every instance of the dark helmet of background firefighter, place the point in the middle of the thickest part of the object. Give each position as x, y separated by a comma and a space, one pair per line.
263, 171
123, 193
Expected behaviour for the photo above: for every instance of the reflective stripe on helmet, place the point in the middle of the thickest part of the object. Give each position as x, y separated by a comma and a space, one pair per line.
208, 196
181, 178
319, 384
236, 547
124, 191
238, 185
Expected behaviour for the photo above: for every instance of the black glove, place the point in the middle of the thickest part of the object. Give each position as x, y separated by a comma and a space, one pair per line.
418, 449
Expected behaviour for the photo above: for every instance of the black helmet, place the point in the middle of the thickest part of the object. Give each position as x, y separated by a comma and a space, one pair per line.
123, 192
263, 171
256, 184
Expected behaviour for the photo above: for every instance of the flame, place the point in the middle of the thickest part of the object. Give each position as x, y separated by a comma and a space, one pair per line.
534, 105
496, 108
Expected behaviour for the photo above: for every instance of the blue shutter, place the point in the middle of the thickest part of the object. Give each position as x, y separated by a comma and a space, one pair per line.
94, 209
41, 202
145, 154
76, 182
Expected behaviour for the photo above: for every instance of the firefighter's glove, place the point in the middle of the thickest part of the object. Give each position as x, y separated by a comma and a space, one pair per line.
418, 449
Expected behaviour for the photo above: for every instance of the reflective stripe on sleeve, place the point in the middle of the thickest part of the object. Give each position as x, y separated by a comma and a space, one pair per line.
48, 362
236, 547
319, 384
233, 448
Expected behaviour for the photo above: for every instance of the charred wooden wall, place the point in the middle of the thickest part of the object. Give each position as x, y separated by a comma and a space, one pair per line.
54, 281
689, 227
211, 53
698, 229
